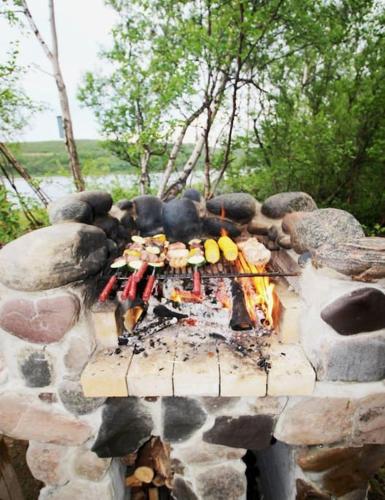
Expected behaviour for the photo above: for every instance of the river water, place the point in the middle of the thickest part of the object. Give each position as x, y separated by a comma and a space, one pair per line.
57, 186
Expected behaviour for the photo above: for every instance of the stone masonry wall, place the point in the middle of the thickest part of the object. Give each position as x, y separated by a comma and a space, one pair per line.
334, 439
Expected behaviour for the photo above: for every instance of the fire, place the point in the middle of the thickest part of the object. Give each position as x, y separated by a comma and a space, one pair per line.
259, 293
222, 216
222, 296
178, 295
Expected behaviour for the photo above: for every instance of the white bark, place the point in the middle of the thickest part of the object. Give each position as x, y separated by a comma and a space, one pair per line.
53, 57
180, 182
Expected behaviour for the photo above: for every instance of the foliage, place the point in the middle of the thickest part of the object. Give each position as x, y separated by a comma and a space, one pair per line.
321, 127
9, 224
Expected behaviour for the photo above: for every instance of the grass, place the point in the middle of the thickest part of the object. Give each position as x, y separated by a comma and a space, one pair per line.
49, 158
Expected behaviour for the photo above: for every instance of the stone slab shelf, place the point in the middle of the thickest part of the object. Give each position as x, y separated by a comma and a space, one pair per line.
178, 365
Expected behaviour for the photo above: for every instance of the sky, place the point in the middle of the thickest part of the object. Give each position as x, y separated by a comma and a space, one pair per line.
83, 27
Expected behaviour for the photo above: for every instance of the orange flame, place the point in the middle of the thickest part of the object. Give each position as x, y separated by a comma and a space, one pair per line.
259, 293
222, 216
178, 295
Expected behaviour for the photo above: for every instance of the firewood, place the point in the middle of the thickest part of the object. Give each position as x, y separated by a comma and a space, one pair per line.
161, 458
240, 319
144, 474
133, 482
153, 494
158, 481
138, 494
145, 465
129, 459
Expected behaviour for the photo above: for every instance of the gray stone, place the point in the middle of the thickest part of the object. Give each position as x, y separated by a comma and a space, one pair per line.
43, 320
215, 405
181, 418
181, 220
126, 425
53, 256
113, 250
362, 310
354, 358
100, 201
363, 258
310, 230
182, 490
253, 432
222, 482
240, 207
108, 224
36, 368
71, 209
279, 204
147, 214
192, 194
88, 465
304, 258
73, 399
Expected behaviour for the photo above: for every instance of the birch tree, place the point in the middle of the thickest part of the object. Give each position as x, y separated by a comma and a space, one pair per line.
53, 57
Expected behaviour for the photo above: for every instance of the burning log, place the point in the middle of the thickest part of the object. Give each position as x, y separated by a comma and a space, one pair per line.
164, 312
240, 319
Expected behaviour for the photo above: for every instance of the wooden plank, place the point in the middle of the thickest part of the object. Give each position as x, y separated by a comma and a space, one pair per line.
150, 371
290, 374
283, 262
106, 373
9, 484
239, 374
196, 368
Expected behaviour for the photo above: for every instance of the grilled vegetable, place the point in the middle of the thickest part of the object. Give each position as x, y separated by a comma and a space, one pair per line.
228, 247
212, 251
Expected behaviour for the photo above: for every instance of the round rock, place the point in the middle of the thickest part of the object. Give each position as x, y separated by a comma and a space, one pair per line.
70, 208
73, 399
53, 256
181, 221
147, 213
362, 310
279, 204
36, 368
100, 201
192, 194
43, 320
108, 224
310, 230
214, 226
240, 207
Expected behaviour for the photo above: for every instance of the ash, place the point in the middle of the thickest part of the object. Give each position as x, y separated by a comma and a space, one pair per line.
200, 322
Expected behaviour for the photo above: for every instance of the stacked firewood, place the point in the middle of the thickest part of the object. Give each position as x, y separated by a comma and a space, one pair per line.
151, 471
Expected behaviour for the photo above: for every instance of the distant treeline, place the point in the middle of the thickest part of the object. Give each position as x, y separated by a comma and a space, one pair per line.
49, 158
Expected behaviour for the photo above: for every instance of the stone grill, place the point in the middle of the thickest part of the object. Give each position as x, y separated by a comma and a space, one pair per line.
85, 403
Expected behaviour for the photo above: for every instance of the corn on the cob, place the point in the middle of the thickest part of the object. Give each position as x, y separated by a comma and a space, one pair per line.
228, 247
212, 251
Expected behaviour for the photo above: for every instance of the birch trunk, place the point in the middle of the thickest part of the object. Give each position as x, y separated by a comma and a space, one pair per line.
175, 150
11, 160
144, 181
53, 57
177, 186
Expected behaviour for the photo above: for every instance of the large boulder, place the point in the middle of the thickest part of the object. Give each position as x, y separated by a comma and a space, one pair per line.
146, 211
53, 256
279, 204
181, 220
80, 207
310, 230
363, 258
240, 207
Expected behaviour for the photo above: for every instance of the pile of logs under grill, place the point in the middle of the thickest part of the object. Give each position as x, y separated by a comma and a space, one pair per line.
150, 475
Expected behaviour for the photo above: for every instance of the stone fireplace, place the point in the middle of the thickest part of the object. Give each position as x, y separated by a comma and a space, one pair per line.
87, 396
